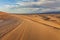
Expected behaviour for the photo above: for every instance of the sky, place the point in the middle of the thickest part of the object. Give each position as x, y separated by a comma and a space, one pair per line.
29, 6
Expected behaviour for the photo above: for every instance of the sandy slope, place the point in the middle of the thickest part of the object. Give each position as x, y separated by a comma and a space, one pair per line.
7, 23
34, 27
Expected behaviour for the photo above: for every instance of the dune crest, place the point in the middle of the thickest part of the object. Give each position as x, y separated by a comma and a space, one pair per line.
4, 15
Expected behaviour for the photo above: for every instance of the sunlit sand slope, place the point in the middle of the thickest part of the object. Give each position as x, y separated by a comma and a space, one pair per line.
7, 23
32, 27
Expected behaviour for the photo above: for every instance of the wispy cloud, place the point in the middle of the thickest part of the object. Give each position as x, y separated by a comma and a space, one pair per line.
32, 6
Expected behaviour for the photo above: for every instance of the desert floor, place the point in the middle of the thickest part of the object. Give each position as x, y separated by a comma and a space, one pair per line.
30, 27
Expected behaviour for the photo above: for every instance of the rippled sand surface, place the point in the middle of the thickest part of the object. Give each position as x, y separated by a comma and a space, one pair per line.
30, 27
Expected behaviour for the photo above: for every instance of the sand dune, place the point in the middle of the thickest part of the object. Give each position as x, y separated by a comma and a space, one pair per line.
30, 27
7, 23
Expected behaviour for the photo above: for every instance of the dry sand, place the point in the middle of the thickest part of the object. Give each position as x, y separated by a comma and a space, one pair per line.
30, 27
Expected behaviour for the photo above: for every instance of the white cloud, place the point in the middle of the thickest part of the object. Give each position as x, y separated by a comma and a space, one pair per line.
30, 3
44, 6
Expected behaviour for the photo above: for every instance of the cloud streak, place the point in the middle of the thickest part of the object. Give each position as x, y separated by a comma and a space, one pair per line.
32, 6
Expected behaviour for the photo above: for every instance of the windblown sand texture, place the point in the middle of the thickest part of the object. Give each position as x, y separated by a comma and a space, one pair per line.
30, 27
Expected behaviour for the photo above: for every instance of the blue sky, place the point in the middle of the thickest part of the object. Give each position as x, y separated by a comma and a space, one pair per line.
29, 6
